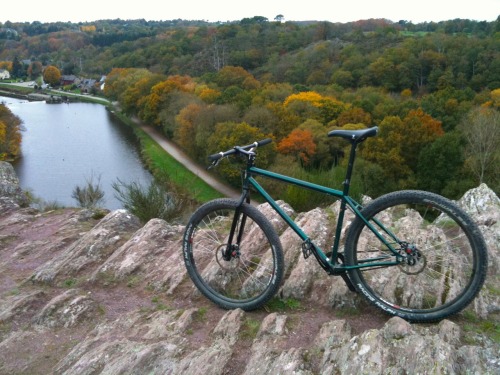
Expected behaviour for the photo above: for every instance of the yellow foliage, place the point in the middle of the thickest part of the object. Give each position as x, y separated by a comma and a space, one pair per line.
406, 94
10, 134
495, 97
208, 95
88, 29
307, 96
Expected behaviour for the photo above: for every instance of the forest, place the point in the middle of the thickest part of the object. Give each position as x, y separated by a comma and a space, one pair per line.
433, 89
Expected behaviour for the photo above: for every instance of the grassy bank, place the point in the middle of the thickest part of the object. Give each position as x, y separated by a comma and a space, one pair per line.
162, 165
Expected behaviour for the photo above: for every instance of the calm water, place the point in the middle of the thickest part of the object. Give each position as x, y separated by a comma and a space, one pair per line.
64, 145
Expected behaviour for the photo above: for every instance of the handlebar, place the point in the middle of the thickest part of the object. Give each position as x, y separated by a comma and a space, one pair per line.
238, 149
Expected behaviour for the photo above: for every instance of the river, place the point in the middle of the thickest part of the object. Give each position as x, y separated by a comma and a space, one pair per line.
64, 145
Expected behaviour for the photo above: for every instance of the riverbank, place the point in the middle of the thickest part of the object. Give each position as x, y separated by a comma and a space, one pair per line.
164, 158
20, 91
160, 156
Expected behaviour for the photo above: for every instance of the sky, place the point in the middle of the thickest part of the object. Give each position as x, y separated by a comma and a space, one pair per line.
415, 11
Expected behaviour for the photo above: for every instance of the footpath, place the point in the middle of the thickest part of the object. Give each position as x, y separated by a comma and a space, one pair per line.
182, 158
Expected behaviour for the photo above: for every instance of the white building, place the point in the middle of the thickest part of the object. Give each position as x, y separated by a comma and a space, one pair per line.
4, 74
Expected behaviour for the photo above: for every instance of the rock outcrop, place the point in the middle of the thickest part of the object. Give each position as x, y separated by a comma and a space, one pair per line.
81, 294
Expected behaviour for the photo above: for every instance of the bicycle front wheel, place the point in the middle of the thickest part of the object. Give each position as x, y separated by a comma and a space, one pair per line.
443, 256
242, 273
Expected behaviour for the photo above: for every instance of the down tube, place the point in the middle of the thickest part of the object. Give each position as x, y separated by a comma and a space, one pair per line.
278, 209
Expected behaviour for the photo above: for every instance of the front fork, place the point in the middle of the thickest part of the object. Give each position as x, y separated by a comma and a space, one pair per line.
237, 226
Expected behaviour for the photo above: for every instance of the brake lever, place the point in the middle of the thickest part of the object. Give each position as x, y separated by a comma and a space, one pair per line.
214, 164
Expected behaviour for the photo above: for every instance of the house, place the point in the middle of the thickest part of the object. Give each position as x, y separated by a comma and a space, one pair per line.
67, 80
87, 84
4, 74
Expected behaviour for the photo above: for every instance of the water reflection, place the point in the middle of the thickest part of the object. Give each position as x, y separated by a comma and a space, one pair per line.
65, 144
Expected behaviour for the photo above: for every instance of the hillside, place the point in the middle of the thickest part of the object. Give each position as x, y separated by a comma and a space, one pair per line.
208, 86
84, 292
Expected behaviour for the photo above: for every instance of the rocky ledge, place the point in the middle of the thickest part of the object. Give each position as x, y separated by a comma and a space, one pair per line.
82, 293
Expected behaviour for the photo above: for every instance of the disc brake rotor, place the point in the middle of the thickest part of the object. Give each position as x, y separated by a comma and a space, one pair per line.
228, 265
413, 264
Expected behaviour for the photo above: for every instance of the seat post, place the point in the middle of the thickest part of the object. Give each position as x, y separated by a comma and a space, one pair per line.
350, 166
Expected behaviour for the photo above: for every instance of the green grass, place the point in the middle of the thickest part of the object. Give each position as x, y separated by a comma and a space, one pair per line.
162, 165
277, 304
16, 89
250, 328
487, 327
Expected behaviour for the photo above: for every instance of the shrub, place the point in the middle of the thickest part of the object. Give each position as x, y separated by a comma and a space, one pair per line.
91, 195
153, 201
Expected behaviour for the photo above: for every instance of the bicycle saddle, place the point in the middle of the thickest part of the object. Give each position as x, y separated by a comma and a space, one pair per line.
355, 135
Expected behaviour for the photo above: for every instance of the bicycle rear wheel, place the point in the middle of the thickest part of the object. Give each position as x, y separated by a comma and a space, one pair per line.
250, 273
444, 256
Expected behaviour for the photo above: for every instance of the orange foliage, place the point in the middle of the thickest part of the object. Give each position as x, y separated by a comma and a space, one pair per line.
6, 65
52, 75
299, 143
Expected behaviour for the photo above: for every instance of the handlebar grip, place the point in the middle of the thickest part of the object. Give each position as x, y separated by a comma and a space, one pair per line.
264, 142
219, 155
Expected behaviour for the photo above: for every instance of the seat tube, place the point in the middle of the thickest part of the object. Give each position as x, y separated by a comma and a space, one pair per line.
343, 203
350, 166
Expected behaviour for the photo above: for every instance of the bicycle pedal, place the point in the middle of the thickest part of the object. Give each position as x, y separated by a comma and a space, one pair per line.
306, 248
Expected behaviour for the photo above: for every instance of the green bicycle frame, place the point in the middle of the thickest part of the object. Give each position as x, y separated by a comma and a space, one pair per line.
331, 263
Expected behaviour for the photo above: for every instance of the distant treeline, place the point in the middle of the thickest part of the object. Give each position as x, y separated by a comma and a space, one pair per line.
209, 86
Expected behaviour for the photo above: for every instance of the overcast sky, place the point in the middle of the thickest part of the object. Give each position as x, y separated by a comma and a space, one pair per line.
229, 10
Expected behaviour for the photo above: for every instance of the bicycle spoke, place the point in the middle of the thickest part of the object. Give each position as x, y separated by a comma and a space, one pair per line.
240, 278
437, 274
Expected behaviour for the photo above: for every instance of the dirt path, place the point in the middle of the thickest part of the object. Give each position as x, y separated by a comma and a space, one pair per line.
182, 158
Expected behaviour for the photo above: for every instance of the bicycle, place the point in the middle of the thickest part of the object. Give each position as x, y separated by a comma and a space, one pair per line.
411, 253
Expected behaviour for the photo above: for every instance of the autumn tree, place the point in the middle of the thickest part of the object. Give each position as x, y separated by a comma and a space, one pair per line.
312, 105
300, 144
204, 126
115, 82
236, 76
186, 122
420, 130
159, 96
481, 129
207, 94
230, 134
10, 134
138, 87
7, 65
353, 115
52, 75
397, 148
328, 149
386, 149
